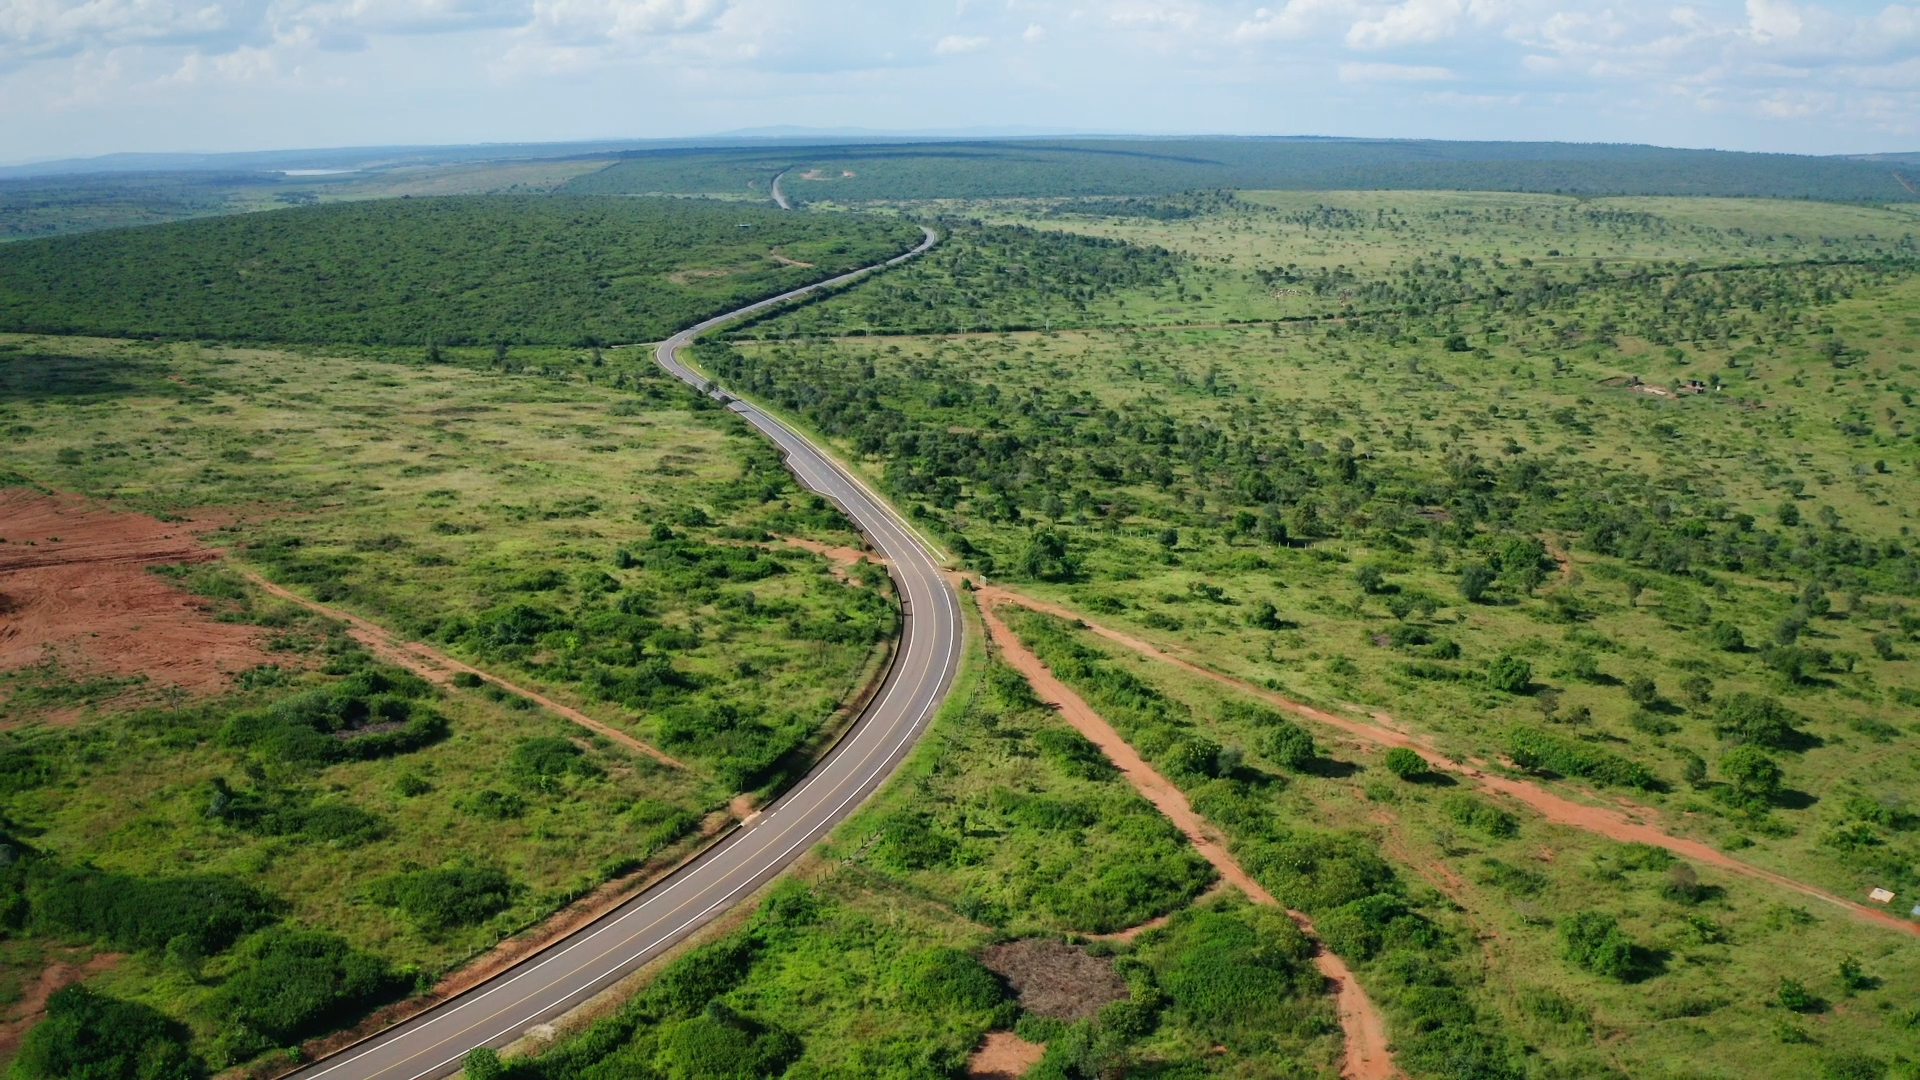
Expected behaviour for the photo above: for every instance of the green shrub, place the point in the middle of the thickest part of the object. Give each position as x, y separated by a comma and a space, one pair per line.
492, 805
1073, 754
947, 980
1753, 778
685, 986
1289, 745
1593, 940
721, 1044
544, 762
1509, 674
482, 1063
89, 1036
1406, 763
1726, 637
1852, 1065
910, 841
1466, 810
207, 912
1756, 720
1532, 748
1238, 977
370, 714
291, 984
454, 896
1793, 994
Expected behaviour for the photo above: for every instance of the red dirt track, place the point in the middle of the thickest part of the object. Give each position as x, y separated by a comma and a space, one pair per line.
90, 598
1615, 824
1367, 1056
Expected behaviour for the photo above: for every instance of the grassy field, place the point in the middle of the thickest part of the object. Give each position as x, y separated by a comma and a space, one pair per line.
581, 525
1628, 480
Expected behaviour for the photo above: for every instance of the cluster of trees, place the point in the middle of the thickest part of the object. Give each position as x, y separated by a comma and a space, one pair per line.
984, 278
280, 983
457, 270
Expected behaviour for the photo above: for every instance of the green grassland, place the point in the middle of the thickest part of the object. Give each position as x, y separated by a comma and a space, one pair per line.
864, 964
467, 269
1705, 956
567, 519
1477, 495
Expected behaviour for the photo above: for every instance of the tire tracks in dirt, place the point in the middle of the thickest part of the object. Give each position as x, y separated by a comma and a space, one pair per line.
1627, 822
439, 668
1367, 1056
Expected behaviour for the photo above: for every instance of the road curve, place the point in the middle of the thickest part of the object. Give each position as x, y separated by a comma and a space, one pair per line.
780, 199
586, 962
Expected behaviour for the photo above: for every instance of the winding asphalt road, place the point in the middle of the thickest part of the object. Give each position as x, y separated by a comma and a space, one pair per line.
581, 965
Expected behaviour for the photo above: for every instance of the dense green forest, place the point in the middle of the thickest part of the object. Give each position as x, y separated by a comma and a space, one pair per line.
1053, 168
470, 269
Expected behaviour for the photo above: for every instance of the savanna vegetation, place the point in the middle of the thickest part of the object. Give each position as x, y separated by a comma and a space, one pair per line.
1614, 492
1030, 837
1612, 496
330, 832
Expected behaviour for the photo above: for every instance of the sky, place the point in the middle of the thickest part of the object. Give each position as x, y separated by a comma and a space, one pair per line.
85, 77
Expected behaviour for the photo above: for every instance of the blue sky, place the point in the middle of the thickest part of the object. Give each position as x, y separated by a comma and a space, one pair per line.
80, 77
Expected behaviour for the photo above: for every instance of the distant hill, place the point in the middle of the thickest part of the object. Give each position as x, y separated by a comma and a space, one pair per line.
1069, 167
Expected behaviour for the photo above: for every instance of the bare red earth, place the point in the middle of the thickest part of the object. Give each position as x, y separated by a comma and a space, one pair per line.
74, 579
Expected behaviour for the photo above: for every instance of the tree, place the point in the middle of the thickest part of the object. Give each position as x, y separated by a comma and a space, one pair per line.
1788, 514
1048, 558
1726, 637
1370, 579
1793, 994
1509, 674
1693, 768
1755, 720
1475, 580
1698, 688
1289, 745
1264, 616
1642, 690
1406, 764
1755, 778
1170, 538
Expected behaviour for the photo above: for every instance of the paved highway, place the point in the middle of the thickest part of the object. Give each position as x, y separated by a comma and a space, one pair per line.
575, 968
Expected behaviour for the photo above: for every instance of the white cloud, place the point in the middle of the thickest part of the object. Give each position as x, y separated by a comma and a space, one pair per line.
956, 43
1365, 73
1034, 34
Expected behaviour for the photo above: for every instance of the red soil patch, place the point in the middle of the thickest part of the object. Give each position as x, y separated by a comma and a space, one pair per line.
1367, 1057
843, 558
32, 1006
437, 667
89, 594
1627, 825
1055, 979
1003, 1056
